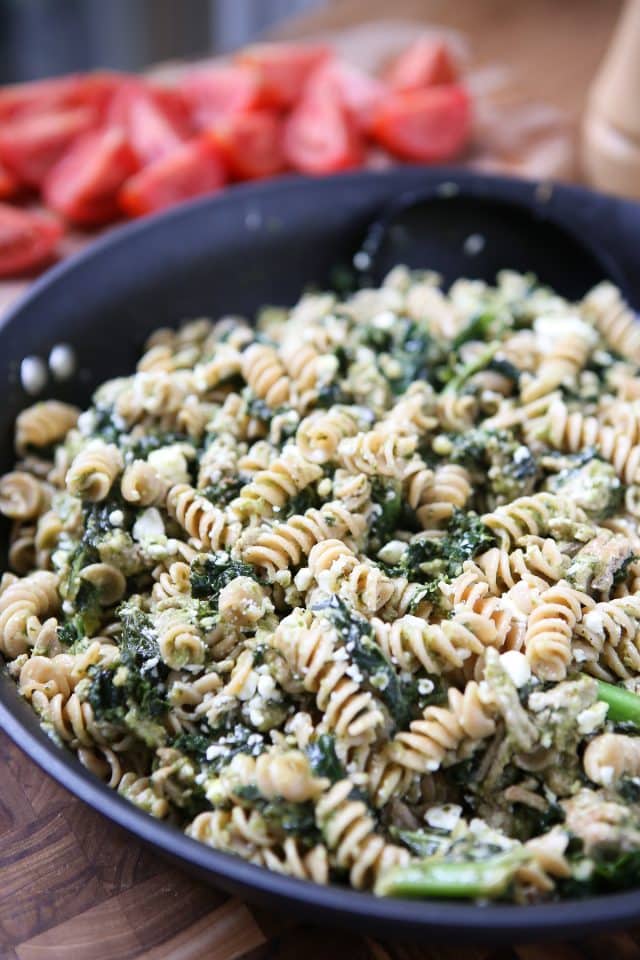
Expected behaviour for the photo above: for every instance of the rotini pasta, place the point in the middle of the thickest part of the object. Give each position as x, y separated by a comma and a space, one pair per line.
353, 594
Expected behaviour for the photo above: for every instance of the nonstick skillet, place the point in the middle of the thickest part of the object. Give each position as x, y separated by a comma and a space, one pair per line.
264, 244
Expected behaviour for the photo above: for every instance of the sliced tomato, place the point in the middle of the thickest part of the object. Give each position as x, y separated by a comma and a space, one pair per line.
251, 144
84, 185
31, 145
358, 92
27, 240
283, 69
425, 63
215, 93
427, 126
9, 186
194, 169
44, 96
153, 125
320, 137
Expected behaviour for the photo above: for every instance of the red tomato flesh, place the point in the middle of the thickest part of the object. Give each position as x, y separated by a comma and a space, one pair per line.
427, 126
283, 69
9, 186
251, 144
425, 63
84, 185
31, 145
192, 170
43, 96
153, 123
358, 92
320, 138
27, 240
215, 93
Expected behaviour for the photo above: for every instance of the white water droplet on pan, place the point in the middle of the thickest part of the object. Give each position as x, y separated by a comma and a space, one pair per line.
62, 361
362, 260
33, 375
474, 244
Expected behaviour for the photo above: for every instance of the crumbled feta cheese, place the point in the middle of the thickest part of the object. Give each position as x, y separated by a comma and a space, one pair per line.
594, 623
443, 817
171, 463
592, 717
116, 518
425, 686
249, 686
149, 526
550, 328
393, 551
516, 666
266, 686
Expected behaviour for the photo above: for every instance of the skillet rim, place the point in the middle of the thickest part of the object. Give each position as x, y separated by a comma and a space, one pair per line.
458, 921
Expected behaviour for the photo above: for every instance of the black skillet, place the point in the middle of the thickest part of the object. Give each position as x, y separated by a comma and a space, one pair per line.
264, 244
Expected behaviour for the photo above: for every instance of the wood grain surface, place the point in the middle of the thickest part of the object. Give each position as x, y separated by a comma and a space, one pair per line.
73, 885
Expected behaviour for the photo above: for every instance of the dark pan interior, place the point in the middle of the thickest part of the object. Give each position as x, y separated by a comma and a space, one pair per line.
265, 244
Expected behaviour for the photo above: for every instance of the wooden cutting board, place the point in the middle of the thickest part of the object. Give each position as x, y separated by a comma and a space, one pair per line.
72, 885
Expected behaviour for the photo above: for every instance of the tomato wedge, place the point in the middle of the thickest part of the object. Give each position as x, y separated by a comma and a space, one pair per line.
9, 186
31, 145
154, 124
425, 63
195, 168
357, 91
251, 144
427, 126
27, 240
283, 69
319, 136
215, 93
84, 185
44, 96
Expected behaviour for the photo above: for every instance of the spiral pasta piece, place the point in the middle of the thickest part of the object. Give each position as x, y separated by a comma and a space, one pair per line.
319, 434
610, 757
608, 638
22, 496
275, 773
376, 453
470, 592
23, 605
179, 639
143, 485
573, 431
337, 569
539, 565
209, 527
551, 627
93, 471
450, 490
561, 365
534, 515
309, 645
43, 424
266, 374
288, 544
438, 648
615, 320
434, 739
270, 489
294, 861
350, 836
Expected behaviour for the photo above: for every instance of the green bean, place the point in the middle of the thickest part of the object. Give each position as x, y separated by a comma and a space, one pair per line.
624, 706
436, 877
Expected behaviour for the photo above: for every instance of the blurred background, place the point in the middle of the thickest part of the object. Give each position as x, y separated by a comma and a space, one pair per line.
39, 38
